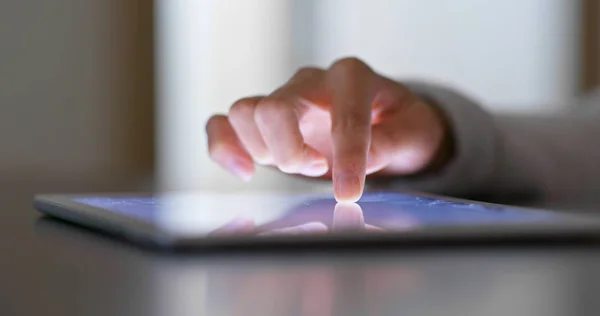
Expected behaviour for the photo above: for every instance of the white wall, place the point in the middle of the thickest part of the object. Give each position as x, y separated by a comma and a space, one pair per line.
513, 54
211, 53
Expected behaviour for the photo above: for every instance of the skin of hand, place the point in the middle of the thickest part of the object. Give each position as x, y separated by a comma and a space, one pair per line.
343, 123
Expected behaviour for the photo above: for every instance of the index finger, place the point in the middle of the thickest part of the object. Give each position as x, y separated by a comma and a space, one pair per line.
351, 84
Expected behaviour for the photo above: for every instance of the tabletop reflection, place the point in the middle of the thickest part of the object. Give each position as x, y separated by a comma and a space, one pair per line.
387, 282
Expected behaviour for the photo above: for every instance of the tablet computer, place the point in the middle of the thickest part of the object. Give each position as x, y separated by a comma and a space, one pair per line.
212, 219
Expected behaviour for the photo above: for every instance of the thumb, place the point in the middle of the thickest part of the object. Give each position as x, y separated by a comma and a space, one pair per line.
404, 143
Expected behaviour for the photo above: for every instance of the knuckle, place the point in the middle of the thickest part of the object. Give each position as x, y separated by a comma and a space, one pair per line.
350, 124
242, 108
349, 65
307, 72
214, 122
270, 109
349, 167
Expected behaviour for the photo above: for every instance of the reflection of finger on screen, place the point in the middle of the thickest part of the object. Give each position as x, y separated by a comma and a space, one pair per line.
308, 228
373, 228
401, 224
348, 216
238, 226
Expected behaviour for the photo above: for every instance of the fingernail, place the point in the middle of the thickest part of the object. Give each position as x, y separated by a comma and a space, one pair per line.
239, 225
316, 169
347, 187
242, 169
264, 160
245, 176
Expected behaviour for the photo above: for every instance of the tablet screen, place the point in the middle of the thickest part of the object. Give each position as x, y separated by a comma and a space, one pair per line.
268, 214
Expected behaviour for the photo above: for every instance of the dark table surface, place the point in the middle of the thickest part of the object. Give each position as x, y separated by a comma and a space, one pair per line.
49, 267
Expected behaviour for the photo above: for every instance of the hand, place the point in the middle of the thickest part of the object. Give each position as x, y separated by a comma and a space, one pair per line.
342, 123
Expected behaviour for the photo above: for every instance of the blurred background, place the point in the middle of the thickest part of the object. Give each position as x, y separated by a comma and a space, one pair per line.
118, 92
